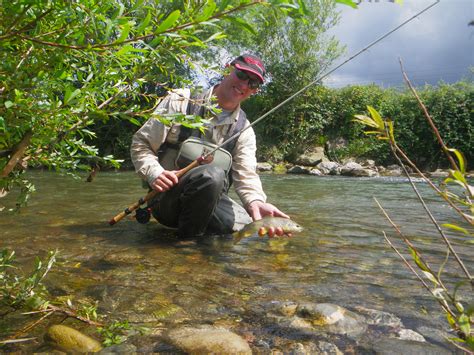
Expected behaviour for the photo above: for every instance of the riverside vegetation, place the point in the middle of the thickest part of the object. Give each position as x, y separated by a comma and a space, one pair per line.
455, 300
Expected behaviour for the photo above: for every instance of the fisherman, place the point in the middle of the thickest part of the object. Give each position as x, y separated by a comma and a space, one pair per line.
197, 204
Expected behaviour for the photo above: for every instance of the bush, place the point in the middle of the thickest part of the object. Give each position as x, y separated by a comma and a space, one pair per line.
322, 114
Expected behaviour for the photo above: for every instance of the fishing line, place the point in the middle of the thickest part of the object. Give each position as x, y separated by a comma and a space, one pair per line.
324, 76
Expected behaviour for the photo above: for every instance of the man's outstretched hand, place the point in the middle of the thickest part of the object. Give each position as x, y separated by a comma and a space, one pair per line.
259, 209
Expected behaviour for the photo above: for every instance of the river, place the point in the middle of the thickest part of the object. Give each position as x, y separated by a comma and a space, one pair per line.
144, 274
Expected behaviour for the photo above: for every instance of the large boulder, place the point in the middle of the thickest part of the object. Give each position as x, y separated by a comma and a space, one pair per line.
355, 169
329, 168
312, 157
207, 339
393, 170
297, 169
264, 166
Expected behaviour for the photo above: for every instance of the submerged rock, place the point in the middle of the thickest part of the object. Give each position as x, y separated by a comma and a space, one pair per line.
120, 349
381, 318
207, 339
320, 348
71, 340
403, 347
408, 334
332, 318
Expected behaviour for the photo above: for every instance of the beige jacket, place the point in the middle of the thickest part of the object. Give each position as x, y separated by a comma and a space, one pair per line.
148, 139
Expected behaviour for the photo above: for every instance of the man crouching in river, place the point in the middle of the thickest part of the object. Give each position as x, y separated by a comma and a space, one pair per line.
197, 204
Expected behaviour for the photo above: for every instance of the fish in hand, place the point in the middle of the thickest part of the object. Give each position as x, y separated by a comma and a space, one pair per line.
261, 226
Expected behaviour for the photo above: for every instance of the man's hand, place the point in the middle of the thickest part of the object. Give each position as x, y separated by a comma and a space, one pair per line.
165, 181
258, 209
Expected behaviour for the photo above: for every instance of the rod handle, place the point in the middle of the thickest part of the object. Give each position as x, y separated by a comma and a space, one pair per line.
152, 194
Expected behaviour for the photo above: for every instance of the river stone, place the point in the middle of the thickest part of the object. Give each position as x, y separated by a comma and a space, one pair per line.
333, 318
439, 173
408, 334
393, 170
434, 334
321, 348
315, 172
264, 167
328, 167
350, 168
403, 347
207, 339
369, 163
71, 340
282, 308
312, 157
375, 317
297, 169
119, 349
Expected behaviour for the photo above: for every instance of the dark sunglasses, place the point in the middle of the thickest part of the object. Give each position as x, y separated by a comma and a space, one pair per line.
253, 83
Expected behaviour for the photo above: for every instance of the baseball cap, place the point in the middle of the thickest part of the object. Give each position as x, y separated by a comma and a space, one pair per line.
250, 63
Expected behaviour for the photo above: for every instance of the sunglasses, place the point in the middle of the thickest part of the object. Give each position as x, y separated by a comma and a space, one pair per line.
252, 83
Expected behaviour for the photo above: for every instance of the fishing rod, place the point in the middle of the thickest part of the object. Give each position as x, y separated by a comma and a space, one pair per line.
204, 159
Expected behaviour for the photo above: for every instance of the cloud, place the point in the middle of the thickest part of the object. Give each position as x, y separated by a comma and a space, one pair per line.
437, 45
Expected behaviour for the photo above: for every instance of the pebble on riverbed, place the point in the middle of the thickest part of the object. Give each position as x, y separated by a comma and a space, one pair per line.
207, 339
71, 340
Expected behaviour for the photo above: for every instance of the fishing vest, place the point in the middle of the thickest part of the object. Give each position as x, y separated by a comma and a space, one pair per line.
190, 144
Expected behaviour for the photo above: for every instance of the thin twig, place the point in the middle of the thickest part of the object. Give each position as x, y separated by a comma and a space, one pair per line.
428, 118
31, 325
434, 187
131, 40
24, 57
16, 340
408, 242
443, 305
395, 149
74, 315
18, 18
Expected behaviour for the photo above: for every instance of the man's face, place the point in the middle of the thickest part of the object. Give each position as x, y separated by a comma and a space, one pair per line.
236, 85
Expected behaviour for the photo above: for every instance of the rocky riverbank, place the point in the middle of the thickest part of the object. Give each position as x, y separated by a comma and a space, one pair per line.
314, 162
299, 328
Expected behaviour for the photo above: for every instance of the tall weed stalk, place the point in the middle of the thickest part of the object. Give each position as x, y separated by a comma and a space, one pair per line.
459, 312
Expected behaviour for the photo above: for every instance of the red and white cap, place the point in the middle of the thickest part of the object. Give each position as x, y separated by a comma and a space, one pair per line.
250, 63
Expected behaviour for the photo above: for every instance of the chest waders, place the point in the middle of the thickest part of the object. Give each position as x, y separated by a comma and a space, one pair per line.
178, 152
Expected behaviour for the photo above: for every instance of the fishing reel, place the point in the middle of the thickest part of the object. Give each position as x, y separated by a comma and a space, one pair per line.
142, 215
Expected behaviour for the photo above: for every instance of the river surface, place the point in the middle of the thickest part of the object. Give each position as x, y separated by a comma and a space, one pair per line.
144, 274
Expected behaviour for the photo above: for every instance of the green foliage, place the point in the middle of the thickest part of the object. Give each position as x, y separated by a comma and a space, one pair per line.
459, 317
24, 291
322, 112
114, 333
70, 67
294, 53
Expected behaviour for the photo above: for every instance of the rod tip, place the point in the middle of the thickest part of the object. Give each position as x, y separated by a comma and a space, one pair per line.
112, 222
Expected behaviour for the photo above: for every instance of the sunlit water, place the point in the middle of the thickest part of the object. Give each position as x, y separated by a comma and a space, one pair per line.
144, 274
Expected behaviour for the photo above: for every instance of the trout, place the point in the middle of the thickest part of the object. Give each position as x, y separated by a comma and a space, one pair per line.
250, 229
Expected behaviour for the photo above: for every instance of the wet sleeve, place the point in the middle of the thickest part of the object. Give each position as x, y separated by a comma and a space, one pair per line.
148, 139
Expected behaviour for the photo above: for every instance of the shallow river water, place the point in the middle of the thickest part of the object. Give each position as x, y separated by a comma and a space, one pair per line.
144, 274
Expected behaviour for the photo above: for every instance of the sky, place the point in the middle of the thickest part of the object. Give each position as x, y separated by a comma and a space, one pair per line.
436, 46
